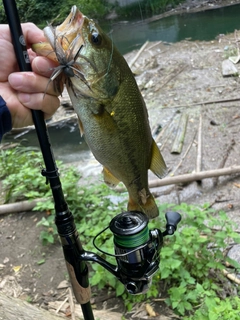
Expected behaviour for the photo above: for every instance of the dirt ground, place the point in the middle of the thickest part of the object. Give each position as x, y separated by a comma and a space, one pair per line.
179, 78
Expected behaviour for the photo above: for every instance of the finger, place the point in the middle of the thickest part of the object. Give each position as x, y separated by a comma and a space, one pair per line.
43, 66
38, 101
30, 82
32, 33
8, 61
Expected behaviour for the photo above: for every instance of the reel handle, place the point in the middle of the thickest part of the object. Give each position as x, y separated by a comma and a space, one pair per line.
172, 218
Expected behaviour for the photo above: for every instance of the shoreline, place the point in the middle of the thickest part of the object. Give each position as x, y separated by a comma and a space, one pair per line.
185, 8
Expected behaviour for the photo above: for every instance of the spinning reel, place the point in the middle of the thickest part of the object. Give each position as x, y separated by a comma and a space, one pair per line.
137, 249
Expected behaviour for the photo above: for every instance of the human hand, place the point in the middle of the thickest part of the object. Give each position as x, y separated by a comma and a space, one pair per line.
23, 91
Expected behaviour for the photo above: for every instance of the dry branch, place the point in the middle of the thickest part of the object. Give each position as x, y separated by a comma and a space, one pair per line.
186, 178
175, 73
185, 154
98, 314
199, 148
178, 142
165, 128
131, 63
231, 276
207, 102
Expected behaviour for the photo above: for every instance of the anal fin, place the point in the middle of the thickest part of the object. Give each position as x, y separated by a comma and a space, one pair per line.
158, 166
80, 127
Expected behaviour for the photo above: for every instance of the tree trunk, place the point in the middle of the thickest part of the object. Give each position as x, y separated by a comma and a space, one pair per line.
12, 309
17, 309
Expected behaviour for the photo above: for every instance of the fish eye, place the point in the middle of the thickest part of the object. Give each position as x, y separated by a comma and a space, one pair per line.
96, 38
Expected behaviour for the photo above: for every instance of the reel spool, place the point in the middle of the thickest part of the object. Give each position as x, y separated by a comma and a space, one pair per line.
136, 250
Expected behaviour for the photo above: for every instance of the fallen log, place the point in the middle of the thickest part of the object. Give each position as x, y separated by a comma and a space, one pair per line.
22, 206
186, 178
179, 139
199, 147
231, 276
207, 102
13, 308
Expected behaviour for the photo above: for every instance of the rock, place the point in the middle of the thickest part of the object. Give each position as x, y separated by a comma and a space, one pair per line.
235, 59
63, 285
228, 69
234, 253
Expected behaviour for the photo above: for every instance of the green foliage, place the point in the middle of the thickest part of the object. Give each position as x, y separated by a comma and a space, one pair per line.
25, 9
191, 261
19, 169
145, 8
41, 12
214, 309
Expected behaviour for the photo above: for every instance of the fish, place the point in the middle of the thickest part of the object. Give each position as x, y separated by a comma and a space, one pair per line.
111, 111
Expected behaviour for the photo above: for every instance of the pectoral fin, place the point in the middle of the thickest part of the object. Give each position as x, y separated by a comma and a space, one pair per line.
109, 178
158, 166
80, 127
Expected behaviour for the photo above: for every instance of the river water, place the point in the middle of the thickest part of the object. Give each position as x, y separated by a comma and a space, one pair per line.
66, 141
205, 25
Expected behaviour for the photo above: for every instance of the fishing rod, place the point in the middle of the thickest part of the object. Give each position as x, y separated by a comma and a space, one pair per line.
137, 249
72, 247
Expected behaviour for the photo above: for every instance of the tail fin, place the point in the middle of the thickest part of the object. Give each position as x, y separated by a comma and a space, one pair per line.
149, 207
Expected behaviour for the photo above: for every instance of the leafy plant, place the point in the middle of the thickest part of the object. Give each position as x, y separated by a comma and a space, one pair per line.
20, 170
190, 275
191, 260
40, 12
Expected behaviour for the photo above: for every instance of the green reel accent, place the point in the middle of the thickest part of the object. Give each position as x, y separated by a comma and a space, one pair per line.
132, 241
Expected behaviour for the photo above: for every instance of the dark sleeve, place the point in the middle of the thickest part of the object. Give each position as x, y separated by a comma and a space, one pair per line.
5, 118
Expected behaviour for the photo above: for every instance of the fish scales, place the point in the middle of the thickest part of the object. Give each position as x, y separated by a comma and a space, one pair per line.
111, 110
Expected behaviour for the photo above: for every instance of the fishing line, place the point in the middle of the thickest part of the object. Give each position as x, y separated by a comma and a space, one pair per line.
139, 4
111, 54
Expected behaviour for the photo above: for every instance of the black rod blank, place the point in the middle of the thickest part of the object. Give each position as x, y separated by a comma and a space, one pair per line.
64, 219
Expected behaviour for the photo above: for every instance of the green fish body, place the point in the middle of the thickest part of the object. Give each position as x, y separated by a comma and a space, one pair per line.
112, 113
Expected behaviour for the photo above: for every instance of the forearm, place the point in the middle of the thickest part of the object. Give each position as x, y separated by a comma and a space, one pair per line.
5, 118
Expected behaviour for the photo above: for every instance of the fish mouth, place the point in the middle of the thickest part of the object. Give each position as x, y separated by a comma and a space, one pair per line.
67, 33
65, 45
65, 40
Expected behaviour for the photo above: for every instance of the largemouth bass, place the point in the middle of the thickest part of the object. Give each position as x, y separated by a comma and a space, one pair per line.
111, 111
